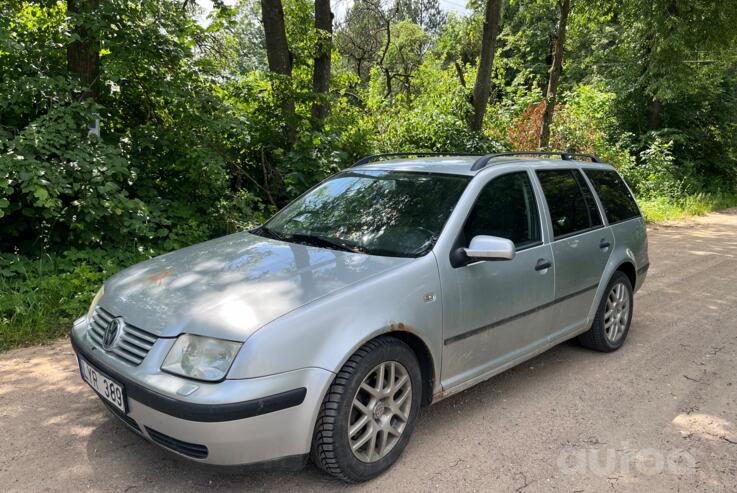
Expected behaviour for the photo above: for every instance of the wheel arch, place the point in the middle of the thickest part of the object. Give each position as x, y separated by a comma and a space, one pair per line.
624, 265
628, 268
419, 347
424, 358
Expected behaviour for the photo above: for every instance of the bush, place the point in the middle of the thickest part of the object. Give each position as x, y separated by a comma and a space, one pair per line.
435, 120
582, 121
65, 187
656, 175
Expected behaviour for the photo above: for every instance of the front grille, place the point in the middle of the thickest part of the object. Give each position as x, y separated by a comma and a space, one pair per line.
189, 449
133, 344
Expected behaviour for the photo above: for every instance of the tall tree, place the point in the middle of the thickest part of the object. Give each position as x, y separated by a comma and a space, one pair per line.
676, 46
83, 54
555, 70
408, 43
425, 13
386, 19
483, 77
321, 69
279, 58
360, 37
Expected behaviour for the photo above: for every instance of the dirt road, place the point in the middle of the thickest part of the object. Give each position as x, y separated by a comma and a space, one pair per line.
658, 415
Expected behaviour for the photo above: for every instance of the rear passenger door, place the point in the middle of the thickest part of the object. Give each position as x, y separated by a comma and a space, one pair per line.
581, 246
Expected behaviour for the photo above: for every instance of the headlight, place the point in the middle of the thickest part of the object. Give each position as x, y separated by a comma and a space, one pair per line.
94, 303
202, 358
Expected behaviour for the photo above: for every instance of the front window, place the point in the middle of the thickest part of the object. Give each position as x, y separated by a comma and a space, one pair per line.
505, 208
389, 213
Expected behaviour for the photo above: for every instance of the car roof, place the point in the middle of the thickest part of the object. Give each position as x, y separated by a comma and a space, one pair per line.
461, 165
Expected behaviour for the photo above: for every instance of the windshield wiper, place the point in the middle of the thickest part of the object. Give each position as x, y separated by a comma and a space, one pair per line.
321, 241
269, 233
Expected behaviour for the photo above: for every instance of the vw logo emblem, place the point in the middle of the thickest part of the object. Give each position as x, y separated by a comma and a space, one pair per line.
111, 333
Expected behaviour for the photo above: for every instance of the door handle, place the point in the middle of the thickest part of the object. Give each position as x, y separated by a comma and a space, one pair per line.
542, 264
604, 244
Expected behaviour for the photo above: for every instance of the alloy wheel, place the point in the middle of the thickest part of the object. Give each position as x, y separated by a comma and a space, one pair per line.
617, 312
380, 410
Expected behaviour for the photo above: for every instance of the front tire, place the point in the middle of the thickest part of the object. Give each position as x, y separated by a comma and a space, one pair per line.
369, 412
613, 317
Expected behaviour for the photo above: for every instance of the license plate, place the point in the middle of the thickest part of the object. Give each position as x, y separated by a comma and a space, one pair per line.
109, 389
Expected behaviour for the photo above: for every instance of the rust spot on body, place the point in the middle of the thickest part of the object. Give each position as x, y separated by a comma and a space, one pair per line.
159, 277
438, 396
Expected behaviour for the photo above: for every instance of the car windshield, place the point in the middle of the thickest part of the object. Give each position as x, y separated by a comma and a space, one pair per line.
387, 213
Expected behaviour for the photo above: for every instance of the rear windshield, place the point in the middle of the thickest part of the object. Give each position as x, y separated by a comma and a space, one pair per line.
389, 213
616, 198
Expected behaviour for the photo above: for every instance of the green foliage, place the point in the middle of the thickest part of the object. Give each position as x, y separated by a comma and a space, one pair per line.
661, 209
525, 39
60, 192
361, 37
656, 175
404, 56
435, 121
39, 298
460, 39
585, 121
425, 13
673, 37
159, 162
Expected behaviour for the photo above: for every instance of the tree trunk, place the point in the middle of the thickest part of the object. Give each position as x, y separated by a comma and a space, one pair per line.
83, 54
387, 45
280, 60
459, 72
483, 77
321, 69
555, 70
654, 114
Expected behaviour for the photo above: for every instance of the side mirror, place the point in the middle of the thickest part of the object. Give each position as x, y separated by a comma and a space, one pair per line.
490, 248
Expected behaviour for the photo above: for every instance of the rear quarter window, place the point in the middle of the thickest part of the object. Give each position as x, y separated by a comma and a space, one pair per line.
619, 205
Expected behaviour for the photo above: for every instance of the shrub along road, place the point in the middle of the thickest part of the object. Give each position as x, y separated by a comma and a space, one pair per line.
658, 415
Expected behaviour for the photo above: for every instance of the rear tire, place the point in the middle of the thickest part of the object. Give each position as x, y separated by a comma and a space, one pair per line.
613, 317
369, 412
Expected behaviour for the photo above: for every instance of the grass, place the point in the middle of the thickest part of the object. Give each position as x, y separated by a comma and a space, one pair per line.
39, 305
664, 209
39, 298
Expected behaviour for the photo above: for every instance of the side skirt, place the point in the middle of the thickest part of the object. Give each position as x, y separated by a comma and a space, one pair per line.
439, 396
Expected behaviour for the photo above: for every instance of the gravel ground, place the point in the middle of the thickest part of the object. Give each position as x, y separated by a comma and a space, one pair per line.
658, 415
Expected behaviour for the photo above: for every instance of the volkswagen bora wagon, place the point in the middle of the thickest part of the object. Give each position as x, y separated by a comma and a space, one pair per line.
387, 287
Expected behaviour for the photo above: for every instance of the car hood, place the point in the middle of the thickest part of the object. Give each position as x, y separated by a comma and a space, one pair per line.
231, 286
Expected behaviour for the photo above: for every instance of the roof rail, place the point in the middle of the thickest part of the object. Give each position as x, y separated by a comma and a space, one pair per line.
483, 161
376, 157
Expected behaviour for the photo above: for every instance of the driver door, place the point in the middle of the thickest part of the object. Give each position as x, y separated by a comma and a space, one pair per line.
498, 310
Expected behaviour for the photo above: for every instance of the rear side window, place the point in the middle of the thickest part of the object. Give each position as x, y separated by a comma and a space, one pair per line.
570, 201
505, 208
619, 205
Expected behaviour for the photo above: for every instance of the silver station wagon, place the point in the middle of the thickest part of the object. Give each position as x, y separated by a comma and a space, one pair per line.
392, 285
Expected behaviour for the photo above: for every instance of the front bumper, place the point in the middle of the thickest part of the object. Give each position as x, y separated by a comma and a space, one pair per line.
271, 421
